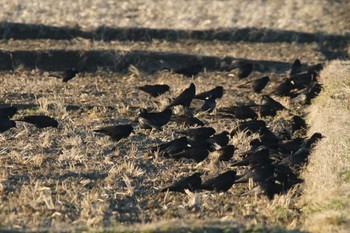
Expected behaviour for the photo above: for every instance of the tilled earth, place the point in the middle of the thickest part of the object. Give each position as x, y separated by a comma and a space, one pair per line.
73, 176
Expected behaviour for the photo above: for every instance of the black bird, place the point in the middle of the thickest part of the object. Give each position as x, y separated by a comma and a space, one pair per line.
40, 121
286, 176
297, 159
190, 70
225, 153
290, 146
270, 187
8, 112
220, 139
195, 134
198, 152
284, 88
309, 143
66, 75
187, 120
268, 138
257, 84
309, 91
154, 90
259, 155
249, 126
300, 157
255, 143
315, 69
185, 98
258, 173
296, 67
260, 84
6, 124
280, 183
312, 92
208, 105
221, 183
244, 68
156, 120
215, 93
298, 123
268, 101
240, 112
116, 132
302, 80
191, 183
172, 147
266, 110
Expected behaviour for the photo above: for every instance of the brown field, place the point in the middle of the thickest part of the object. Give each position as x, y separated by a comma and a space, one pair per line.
86, 179
71, 179
326, 192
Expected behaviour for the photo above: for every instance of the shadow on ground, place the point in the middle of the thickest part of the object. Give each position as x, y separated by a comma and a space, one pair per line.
120, 61
331, 45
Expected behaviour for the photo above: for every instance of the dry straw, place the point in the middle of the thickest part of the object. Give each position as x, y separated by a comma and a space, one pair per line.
327, 178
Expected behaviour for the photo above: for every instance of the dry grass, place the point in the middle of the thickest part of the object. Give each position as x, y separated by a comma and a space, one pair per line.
284, 52
327, 184
71, 177
298, 15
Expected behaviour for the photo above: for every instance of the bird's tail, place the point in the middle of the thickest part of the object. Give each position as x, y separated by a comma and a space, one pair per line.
244, 84
21, 119
241, 179
99, 131
165, 189
56, 76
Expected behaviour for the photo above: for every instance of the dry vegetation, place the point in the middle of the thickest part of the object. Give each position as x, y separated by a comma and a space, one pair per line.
70, 178
299, 15
257, 51
327, 178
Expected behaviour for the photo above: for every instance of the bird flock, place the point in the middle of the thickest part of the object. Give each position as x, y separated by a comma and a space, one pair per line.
275, 159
